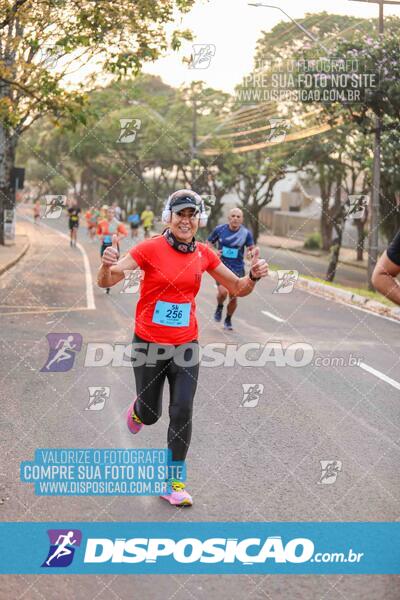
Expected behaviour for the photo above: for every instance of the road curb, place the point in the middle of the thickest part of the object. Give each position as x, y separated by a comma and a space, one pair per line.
16, 258
348, 297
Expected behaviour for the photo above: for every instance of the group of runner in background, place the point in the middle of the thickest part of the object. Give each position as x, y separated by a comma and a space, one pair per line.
97, 219
229, 240
102, 222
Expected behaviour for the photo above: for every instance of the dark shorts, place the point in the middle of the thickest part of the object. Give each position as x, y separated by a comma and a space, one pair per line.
134, 225
73, 224
239, 273
103, 247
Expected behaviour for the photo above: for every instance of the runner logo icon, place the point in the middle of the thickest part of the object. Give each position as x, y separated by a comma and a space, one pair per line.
278, 129
132, 281
356, 206
286, 281
62, 547
62, 349
251, 394
97, 397
329, 471
54, 206
128, 130
201, 56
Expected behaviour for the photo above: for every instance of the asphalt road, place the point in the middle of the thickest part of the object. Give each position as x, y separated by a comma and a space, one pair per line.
258, 463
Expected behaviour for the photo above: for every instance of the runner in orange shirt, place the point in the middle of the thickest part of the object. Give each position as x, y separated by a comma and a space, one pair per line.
106, 228
88, 215
166, 323
92, 216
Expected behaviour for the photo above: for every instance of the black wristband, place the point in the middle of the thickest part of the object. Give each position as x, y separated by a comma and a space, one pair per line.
253, 278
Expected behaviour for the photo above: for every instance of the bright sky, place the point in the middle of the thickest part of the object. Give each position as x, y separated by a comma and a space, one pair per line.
234, 28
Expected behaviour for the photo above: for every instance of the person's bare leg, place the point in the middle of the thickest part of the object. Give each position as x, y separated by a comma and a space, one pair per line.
221, 297
232, 304
222, 293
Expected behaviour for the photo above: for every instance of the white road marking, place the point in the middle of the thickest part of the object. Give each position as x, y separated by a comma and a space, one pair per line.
88, 278
88, 274
374, 314
43, 311
364, 310
380, 375
265, 312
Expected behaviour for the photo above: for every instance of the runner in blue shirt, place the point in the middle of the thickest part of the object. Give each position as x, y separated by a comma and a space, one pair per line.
134, 221
231, 240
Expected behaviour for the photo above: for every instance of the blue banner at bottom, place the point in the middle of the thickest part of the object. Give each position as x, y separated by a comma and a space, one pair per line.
200, 548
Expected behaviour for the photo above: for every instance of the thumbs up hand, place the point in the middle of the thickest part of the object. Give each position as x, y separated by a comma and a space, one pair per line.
258, 266
111, 254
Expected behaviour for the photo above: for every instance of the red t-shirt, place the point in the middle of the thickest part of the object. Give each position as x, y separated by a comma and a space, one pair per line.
174, 279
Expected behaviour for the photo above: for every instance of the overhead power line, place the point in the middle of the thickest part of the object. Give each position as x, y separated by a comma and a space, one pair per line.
291, 137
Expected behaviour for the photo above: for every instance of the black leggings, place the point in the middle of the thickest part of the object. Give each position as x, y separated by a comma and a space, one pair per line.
182, 381
104, 246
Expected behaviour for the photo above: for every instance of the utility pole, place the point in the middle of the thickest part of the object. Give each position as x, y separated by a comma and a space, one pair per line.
194, 127
194, 149
373, 240
3, 182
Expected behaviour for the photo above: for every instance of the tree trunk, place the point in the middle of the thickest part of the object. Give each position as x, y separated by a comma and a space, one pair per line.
250, 216
326, 225
90, 190
336, 245
215, 212
338, 223
7, 160
255, 225
360, 238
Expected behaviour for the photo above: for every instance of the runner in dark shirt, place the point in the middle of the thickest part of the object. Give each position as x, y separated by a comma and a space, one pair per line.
73, 214
386, 271
231, 239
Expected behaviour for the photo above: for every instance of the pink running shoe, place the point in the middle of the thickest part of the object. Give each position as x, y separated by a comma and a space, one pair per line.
133, 422
178, 496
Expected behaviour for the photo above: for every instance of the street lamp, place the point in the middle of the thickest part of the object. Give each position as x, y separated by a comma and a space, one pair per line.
303, 29
373, 241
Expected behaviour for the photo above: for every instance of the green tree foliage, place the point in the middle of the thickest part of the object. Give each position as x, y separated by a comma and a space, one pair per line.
333, 157
43, 43
164, 155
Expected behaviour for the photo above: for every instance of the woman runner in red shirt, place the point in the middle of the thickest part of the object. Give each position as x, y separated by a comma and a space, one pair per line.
105, 230
165, 340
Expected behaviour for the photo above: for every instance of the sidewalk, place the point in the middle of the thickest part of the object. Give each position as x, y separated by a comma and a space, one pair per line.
348, 256
12, 253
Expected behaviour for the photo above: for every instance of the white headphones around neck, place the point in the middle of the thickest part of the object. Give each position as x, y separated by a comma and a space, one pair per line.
167, 212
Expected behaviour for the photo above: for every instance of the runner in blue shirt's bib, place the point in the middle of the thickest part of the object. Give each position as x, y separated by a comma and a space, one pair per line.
231, 240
